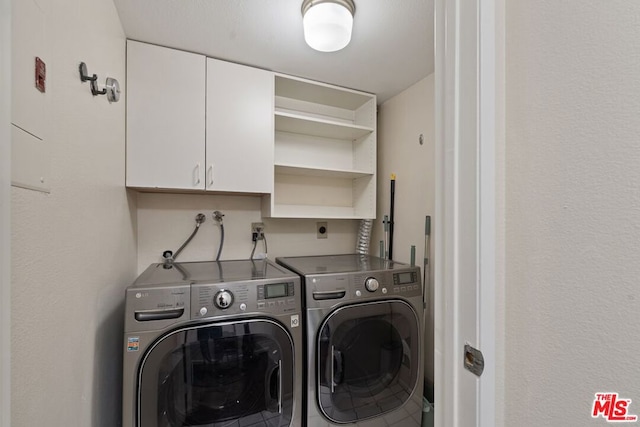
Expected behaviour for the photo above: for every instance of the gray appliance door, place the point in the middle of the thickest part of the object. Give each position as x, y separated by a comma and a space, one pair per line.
225, 373
367, 361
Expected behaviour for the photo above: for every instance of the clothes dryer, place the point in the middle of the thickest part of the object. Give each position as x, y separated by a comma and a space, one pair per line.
213, 344
364, 336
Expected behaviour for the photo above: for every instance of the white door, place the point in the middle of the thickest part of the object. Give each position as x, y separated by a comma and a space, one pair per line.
465, 202
240, 130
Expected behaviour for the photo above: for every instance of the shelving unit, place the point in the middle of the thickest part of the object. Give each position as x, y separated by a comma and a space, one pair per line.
325, 152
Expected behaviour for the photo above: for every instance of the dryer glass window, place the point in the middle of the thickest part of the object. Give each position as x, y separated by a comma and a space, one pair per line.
367, 361
238, 373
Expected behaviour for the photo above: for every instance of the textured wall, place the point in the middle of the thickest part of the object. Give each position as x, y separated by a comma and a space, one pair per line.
5, 196
165, 221
74, 250
401, 120
572, 208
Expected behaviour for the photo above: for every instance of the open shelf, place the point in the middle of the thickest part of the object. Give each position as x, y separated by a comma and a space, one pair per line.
303, 124
309, 196
325, 152
318, 172
315, 212
320, 93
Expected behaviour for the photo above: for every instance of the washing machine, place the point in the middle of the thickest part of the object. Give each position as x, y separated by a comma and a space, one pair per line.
212, 344
364, 337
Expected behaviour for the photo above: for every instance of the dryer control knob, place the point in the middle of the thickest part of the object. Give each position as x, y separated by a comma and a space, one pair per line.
223, 299
371, 284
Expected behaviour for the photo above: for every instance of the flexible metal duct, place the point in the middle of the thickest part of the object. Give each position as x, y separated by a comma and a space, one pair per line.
364, 236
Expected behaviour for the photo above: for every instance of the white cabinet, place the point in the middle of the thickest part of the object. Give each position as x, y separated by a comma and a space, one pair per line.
196, 123
239, 128
325, 152
165, 118
201, 124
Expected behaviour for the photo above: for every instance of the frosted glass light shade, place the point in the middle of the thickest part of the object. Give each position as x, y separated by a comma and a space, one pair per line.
327, 25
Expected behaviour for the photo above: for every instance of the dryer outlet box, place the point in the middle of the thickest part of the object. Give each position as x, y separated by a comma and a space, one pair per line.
323, 231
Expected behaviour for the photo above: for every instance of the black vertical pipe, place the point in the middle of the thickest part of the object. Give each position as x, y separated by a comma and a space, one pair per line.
393, 196
426, 266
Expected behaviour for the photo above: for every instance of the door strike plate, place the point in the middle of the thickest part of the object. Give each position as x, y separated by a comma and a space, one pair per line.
473, 360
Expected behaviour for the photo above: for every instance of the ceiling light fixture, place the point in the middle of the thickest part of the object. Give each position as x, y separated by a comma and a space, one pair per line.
327, 23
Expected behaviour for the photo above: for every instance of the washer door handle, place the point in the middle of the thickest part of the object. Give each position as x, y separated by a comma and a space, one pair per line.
275, 375
337, 368
280, 386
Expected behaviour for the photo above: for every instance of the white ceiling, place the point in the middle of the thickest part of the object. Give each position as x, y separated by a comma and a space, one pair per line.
391, 47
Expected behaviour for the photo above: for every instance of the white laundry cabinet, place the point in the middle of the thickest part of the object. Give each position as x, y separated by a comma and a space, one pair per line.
196, 123
201, 124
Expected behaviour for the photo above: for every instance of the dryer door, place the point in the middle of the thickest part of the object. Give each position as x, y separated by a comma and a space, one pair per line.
368, 360
238, 372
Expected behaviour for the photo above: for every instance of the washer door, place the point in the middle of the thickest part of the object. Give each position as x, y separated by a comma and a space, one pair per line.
239, 371
368, 360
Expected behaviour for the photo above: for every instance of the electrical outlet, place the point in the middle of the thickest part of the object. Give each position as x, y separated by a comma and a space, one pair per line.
257, 231
323, 230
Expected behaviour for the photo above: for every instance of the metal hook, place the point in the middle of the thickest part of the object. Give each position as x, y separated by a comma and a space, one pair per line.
84, 75
94, 88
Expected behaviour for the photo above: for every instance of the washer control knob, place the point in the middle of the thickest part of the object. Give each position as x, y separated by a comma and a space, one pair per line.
223, 299
371, 284
203, 311
358, 293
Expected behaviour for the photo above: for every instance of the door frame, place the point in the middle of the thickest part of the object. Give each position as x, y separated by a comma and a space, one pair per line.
5, 190
465, 309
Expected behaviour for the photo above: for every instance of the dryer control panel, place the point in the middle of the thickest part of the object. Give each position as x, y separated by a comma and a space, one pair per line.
325, 290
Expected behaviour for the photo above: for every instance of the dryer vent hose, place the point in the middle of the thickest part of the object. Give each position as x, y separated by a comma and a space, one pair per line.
364, 236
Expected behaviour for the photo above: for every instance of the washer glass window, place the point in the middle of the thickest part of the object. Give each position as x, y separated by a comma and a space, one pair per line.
367, 361
238, 372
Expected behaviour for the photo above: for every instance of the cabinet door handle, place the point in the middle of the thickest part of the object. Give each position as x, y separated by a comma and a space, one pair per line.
210, 173
197, 173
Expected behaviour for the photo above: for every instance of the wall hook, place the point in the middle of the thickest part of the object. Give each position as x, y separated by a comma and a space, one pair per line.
111, 89
94, 89
84, 75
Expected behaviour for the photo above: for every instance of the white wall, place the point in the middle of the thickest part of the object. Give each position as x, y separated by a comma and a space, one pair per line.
500, 146
572, 209
165, 221
73, 250
5, 197
401, 120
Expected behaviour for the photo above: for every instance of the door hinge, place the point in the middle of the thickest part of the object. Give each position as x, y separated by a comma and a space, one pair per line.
473, 360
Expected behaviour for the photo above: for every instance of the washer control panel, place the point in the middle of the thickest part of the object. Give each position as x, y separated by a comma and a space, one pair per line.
276, 297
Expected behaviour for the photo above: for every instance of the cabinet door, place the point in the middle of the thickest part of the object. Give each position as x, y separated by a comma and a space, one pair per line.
240, 130
165, 117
